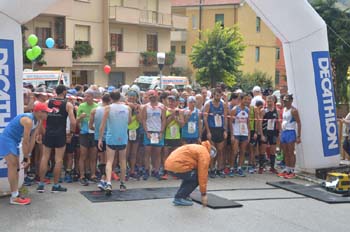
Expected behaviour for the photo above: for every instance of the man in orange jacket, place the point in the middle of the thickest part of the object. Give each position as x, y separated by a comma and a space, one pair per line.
190, 163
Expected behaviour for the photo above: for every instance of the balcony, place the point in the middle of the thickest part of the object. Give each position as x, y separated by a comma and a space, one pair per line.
178, 36
127, 59
61, 8
58, 58
181, 61
179, 22
130, 15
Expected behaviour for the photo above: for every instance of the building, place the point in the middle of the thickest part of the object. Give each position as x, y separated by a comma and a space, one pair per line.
117, 31
260, 52
281, 74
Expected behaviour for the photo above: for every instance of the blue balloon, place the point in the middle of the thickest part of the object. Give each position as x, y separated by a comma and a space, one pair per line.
50, 42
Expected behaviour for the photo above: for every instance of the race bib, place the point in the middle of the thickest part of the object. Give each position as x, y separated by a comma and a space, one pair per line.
243, 128
218, 120
191, 127
154, 138
271, 124
132, 135
91, 131
173, 131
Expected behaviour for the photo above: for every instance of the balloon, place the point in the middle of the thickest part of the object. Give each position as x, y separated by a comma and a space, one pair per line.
36, 51
50, 42
30, 55
33, 40
107, 69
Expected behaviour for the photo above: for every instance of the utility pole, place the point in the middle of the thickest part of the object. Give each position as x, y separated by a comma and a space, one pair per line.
200, 18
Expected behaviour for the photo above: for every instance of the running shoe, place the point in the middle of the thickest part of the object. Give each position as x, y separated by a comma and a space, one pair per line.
108, 190
59, 188
261, 170
251, 170
20, 201
226, 170
122, 187
40, 188
102, 185
165, 176
273, 170
115, 176
290, 176
157, 176
212, 174
240, 172
28, 181
145, 175
231, 173
94, 180
68, 178
134, 176
182, 202
221, 174
282, 174
84, 182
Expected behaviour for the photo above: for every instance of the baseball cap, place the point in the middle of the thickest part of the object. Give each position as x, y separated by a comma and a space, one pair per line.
42, 107
256, 89
172, 97
288, 97
191, 99
110, 89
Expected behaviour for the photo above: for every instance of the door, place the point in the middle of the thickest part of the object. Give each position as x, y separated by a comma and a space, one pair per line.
116, 79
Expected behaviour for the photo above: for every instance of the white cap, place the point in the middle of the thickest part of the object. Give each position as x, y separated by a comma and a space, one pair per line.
238, 91
256, 89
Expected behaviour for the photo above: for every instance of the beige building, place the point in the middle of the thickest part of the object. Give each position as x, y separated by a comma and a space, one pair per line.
128, 27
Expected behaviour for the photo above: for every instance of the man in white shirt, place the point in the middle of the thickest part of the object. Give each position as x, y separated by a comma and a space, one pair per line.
257, 96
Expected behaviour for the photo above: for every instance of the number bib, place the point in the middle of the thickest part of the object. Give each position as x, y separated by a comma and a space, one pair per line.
132, 135
243, 128
191, 127
173, 131
218, 120
154, 138
271, 124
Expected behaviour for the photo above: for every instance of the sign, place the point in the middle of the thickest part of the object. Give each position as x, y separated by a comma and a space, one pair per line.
326, 103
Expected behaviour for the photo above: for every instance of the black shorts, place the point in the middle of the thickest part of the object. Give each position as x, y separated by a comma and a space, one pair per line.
87, 140
253, 141
139, 136
70, 147
190, 140
103, 146
217, 134
117, 147
54, 141
172, 142
270, 139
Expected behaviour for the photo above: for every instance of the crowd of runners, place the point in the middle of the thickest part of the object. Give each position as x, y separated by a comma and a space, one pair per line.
98, 134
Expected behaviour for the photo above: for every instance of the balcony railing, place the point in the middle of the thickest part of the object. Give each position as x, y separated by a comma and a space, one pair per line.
155, 18
180, 22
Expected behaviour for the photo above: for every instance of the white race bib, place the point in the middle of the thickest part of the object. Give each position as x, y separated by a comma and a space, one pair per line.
154, 138
173, 131
270, 124
218, 120
243, 128
91, 131
191, 127
132, 135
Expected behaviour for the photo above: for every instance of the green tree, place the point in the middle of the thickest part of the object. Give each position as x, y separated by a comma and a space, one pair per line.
338, 22
247, 81
218, 57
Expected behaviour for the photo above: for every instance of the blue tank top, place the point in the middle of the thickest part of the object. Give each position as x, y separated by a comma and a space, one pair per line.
117, 125
190, 129
14, 130
97, 121
217, 112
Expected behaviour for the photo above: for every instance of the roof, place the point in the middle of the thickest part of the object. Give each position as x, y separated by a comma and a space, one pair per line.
204, 2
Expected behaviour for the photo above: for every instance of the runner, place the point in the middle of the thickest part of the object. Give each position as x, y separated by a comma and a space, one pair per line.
192, 127
25, 127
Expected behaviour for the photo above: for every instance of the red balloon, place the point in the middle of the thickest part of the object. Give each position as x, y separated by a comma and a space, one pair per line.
107, 69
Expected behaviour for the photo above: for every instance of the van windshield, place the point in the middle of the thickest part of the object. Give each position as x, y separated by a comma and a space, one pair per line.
143, 86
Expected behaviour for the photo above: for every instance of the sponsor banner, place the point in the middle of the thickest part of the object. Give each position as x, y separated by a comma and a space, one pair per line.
326, 103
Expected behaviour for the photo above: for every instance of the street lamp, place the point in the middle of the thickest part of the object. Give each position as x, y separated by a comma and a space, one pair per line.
161, 62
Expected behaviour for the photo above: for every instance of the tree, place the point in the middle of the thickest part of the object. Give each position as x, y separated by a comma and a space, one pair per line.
219, 56
247, 81
338, 22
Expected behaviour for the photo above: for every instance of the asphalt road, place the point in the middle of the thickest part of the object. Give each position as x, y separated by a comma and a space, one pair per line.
280, 211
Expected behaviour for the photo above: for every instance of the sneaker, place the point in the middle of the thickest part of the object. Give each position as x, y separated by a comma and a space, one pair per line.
282, 174
40, 188
108, 190
261, 170
122, 187
59, 188
182, 202
226, 170
221, 174
290, 176
93, 180
83, 182
164, 177
28, 181
145, 175
240, 172
251, 170
212, 174
273, 170
134, 176
20, 201
68, 178
115, 176
231, 173
157, 176
102, 185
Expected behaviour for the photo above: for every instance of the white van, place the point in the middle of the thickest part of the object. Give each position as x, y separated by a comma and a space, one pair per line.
49, 78
152, 82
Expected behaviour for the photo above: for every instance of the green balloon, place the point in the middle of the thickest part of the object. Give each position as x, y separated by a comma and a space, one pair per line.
33, 40
30, 54
36, 51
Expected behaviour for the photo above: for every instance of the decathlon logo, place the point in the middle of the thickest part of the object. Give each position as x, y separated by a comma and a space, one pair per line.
8, 108
326, 103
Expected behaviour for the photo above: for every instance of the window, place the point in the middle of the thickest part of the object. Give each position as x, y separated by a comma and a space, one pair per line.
277, 77
183, 49
152, 42
116, 40
258, 24
257, 54
278, 53
220, 18
173, 48
42, 33
82, 34
194, 22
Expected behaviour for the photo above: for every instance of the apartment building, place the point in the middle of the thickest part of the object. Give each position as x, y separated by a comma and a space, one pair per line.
126, 27
261, 47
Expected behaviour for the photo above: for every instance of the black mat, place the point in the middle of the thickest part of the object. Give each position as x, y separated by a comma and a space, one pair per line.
315, 192
131, 194
215, 202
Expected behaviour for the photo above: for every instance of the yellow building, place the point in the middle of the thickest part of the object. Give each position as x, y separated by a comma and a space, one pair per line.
128, 27
260, 52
